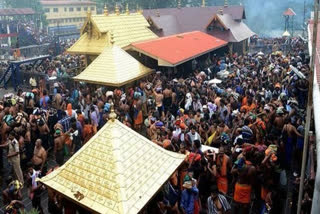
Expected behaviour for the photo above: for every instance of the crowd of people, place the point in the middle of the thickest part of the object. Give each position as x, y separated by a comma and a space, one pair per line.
254, 116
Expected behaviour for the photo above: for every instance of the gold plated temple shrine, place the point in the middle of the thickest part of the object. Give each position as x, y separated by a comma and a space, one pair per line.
113, 67
117, 171
95, 33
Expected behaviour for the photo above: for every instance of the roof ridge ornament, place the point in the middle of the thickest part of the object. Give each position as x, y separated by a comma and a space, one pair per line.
179, 4
203, 3
117, 11
127, 9
105, 10
226, 3
157, 13
111, 38
112, 115
89, 13
221, 11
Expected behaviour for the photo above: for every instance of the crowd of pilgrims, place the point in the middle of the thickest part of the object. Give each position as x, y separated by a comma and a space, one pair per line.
254, 116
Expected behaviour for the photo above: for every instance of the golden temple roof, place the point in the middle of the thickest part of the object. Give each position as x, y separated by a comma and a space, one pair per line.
85, 45
117, 171
126, 29
113, 67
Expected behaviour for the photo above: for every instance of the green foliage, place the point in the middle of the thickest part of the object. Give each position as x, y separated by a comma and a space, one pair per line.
32, 211
34, 4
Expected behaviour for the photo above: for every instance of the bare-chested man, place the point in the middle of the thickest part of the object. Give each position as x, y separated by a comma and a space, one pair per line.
44, 134
290, 134
39, 156
167, 98
59, 139
245, 172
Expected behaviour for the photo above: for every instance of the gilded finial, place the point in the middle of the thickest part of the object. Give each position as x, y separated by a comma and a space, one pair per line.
105, 10
127, 9
137, 8
225, 3
179, 4
112, 115
111, 38
221, 11
89, 13
117, 11
203, 3
140, 10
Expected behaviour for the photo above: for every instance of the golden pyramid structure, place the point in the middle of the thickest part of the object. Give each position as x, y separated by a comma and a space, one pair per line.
126, 28
117, 171
113, 67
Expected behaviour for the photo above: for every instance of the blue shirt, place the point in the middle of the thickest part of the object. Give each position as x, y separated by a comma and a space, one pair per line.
188, 198
44, 102
65, 122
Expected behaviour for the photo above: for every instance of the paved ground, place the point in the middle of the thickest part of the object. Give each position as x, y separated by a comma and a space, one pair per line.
26, 200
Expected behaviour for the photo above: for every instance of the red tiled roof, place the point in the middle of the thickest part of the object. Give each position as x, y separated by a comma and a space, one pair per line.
48, 3
289, 12
16, 11
177, 49
317, 60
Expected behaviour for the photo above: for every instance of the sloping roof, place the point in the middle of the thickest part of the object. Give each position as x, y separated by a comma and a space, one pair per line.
117, 171
16, 11
85, 45
177, 49
239, 31
169, 21
125, 29
190, 18
49, 3
289, 12
113, 67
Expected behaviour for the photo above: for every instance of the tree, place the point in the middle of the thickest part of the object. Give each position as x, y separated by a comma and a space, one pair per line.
34, 4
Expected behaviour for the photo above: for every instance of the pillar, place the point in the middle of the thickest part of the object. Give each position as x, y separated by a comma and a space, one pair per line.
230, 46
9, 38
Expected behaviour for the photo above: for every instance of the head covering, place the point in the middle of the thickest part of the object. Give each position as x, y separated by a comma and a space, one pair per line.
280, 110
187, 184
69, 109
107, 107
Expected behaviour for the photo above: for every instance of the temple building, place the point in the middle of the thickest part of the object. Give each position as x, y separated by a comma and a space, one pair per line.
224, 22
113, 67
117, 172
126, 28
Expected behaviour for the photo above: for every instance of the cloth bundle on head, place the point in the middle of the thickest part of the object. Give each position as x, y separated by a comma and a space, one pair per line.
159, 124
109, 94
15, 186
280, 110
247, 134
136, 95
8, 119
106, 107
273, 150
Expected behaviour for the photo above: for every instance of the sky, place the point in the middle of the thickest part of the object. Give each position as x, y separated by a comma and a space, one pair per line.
265, 16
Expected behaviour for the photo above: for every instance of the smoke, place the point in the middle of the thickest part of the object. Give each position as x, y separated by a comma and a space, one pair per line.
265, 16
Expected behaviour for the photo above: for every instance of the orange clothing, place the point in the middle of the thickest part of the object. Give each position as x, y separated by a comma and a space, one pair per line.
244, 101
264, 193
81, 119
245, 108
222, 183
252, 107
139, 119
222, 180
69, 109
87, 132
242, 193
